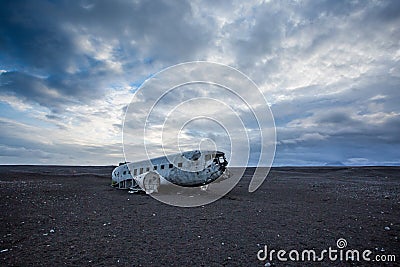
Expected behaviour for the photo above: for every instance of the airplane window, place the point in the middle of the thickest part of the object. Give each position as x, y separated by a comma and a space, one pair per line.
124, 172
155, 167
135, 172
171, 165
147, 169
180, 164
162, 167
141, 170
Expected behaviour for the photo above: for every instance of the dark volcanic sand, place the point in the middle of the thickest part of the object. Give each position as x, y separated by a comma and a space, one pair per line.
71, 216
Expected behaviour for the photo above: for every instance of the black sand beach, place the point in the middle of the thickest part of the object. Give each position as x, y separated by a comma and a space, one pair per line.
55, 216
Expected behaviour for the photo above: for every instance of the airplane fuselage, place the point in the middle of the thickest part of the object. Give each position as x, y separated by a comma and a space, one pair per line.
187, 169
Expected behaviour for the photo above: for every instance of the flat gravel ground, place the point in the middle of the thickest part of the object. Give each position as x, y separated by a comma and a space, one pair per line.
52, 216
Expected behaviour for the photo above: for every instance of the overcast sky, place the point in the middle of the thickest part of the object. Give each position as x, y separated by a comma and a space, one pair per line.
330, 71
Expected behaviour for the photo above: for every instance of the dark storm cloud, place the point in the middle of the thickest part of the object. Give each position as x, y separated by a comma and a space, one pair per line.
71, 47
337, 135
31, 88
31, 36
356, 127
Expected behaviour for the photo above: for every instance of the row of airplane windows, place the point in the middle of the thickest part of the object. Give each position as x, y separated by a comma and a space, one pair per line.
162, 166
155, 167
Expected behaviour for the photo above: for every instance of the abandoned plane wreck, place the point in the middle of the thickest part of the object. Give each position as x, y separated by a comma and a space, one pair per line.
187, 169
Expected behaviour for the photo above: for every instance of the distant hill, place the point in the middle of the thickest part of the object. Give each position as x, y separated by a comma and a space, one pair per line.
334, 163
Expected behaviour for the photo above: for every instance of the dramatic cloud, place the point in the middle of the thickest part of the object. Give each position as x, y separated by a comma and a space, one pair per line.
329, 69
